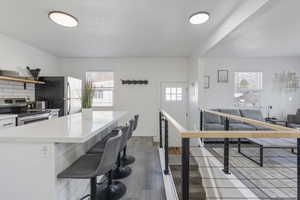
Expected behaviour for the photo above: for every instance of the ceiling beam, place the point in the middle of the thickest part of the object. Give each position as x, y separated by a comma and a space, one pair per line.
245, 10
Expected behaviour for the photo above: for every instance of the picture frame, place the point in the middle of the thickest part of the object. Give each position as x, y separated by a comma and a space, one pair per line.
223, 76
206, 82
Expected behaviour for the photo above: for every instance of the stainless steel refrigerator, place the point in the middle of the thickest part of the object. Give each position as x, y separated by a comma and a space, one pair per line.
60, 92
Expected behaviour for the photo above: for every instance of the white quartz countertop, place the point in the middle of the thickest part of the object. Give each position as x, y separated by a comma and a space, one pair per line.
75, 128
7, 116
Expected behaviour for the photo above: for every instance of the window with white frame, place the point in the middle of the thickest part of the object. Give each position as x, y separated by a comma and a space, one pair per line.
103, 84
173, 94
247, 89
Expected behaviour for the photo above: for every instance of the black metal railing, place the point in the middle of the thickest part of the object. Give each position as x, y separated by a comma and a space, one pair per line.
226, 140
185, 155
185, 141
185, 169
164, 139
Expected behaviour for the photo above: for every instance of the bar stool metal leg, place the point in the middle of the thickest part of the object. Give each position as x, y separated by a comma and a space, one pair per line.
121, 171
93, 190
93, 186
127, 159
113, 190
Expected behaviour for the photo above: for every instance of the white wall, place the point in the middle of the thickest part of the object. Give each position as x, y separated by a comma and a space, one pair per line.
195, 72
141, 99
220, 95
16, 55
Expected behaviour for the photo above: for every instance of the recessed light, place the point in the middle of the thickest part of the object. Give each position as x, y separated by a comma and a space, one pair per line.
199, 18
63, 19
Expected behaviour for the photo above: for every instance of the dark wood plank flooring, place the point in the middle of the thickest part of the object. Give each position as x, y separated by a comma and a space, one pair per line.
145, 182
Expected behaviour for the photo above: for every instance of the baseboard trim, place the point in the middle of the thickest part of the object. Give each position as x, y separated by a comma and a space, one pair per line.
170, 189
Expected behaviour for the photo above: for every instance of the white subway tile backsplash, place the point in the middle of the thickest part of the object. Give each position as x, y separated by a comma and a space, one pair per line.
9, 89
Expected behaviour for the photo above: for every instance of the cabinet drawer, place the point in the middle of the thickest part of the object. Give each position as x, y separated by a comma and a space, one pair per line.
5, 123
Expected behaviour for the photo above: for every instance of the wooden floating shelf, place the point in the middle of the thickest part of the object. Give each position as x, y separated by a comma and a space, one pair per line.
23, 80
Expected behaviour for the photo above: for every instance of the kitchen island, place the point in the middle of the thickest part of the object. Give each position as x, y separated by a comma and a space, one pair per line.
32, 155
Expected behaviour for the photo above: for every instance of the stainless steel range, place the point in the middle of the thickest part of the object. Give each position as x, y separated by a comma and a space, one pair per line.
18, 106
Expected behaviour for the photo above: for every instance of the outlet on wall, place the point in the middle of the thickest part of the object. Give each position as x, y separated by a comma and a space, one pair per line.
44, 151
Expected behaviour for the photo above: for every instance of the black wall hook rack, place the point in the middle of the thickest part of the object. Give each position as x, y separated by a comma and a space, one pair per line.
134, 82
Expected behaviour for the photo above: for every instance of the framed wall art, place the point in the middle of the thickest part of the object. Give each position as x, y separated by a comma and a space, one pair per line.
206, 82
223, 76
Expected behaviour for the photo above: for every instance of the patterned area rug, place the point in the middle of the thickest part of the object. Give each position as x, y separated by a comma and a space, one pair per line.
276, 180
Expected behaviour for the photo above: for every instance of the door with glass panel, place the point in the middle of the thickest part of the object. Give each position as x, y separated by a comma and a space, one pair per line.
173, 100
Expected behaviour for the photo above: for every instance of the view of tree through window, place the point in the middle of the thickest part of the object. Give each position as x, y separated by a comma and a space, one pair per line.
103, 84
247, 89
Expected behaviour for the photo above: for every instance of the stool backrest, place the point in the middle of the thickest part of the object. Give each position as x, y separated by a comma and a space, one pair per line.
134, 125
132, 121
126, 132
110, 154
136, 119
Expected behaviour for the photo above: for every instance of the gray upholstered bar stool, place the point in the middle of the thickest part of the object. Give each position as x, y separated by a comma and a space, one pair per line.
128, 159
89, 166
122, 171
119, 171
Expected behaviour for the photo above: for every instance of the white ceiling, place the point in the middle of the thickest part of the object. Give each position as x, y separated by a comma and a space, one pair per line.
273, 31
111, 28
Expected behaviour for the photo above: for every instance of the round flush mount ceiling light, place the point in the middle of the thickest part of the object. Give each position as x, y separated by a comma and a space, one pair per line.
199, 18
63, 19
